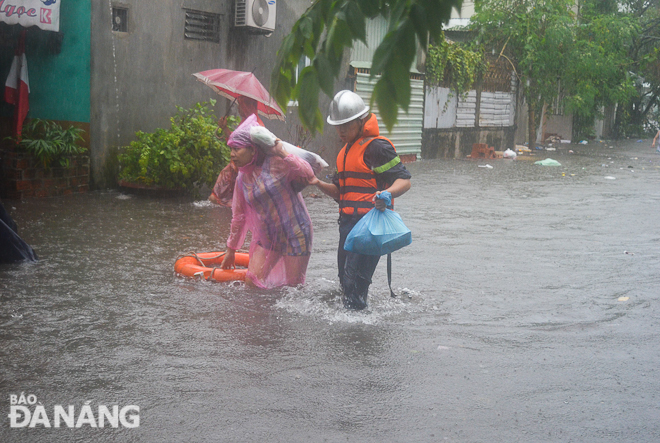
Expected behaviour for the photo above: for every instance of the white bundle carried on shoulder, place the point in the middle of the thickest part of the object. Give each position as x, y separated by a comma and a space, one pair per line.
266, 140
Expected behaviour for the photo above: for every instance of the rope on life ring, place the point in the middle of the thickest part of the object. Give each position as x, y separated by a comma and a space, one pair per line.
198, 265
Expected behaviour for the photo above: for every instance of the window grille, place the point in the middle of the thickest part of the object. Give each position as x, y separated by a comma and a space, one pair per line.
203, 26
120, 19
241, 13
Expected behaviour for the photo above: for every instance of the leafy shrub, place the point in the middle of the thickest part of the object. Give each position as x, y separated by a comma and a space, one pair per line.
453, 66
49, 142
186, 156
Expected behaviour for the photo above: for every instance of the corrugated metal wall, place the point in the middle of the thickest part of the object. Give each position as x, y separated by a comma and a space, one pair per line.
466, 109
440, 114
496, 109
407, 133
497, 106
376, 30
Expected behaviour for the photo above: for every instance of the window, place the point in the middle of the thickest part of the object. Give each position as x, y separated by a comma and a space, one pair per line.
302, 64
119, 19
203, 26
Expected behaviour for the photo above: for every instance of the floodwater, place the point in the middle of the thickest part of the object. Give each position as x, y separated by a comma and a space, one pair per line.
527, 312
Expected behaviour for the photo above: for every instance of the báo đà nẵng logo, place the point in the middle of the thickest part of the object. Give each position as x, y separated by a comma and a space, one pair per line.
28, 412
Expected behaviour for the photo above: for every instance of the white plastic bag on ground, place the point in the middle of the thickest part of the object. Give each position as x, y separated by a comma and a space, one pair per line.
509, 154
265, 139
548, 162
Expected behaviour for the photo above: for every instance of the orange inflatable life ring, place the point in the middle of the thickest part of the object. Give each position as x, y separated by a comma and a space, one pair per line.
207, 265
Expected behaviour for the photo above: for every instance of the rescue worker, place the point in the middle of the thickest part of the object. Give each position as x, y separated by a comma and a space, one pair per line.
367, 165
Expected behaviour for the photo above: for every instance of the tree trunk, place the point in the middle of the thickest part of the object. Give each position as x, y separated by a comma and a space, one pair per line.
531, 127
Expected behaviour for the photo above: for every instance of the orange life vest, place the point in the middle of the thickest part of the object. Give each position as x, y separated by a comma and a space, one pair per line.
357, 182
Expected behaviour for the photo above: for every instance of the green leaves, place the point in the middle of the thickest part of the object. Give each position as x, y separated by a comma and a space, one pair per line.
393, 58
355, 20
454, 66
343, 22
189, 154
309, 87
586, 59
324, 71
49, 142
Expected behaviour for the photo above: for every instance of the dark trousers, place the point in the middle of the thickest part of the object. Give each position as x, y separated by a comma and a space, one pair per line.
355, 270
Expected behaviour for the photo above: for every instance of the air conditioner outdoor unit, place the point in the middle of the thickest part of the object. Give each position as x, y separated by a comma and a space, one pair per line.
256, 15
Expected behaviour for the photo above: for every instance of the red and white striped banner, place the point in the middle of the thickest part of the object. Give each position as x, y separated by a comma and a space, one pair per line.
17, 87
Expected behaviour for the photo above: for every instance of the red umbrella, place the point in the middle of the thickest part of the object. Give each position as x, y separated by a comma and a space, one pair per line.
233, 84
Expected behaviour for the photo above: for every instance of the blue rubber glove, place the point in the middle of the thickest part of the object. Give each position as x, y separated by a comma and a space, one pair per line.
385, 195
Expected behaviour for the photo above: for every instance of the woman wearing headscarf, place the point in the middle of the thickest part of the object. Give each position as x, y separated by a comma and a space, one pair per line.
223, 190
267, 203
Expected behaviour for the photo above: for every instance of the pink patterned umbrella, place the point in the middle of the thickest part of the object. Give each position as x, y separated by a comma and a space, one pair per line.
233, 84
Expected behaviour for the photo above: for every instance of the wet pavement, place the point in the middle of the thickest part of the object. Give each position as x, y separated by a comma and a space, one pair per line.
527, 312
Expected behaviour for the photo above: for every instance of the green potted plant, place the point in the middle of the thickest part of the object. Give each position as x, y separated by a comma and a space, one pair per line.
50, 143
48, 161
189, 154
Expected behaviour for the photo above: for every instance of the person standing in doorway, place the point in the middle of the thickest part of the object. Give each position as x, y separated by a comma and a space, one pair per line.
367, 165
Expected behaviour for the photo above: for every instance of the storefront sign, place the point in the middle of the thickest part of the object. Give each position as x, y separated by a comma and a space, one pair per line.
42, 13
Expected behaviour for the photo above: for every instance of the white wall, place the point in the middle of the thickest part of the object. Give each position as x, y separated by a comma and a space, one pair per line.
443, 109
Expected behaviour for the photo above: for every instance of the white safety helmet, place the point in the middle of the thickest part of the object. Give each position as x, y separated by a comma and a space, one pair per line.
346, 106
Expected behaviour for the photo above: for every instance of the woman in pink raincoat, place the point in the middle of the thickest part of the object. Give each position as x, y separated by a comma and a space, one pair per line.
266, 202
223, 191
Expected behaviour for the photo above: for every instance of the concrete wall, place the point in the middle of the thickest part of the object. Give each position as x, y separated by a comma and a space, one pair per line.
522, 117
558, 125
605, 127
452, 124
139, 77
457, 142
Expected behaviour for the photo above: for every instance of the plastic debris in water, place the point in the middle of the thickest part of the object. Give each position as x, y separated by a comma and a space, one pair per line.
623, 298
628, 252
609, 177
548, 162
486, 166
408, 292
509, 154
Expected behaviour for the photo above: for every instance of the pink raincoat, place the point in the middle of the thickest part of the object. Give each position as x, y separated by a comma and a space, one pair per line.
266, 204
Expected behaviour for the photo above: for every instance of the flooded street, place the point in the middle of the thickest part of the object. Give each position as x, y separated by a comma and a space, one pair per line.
527, 312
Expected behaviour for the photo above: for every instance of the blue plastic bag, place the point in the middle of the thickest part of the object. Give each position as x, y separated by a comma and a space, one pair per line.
378, 233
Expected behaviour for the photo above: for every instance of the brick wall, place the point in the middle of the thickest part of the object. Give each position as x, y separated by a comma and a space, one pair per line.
408, 158
22, 176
